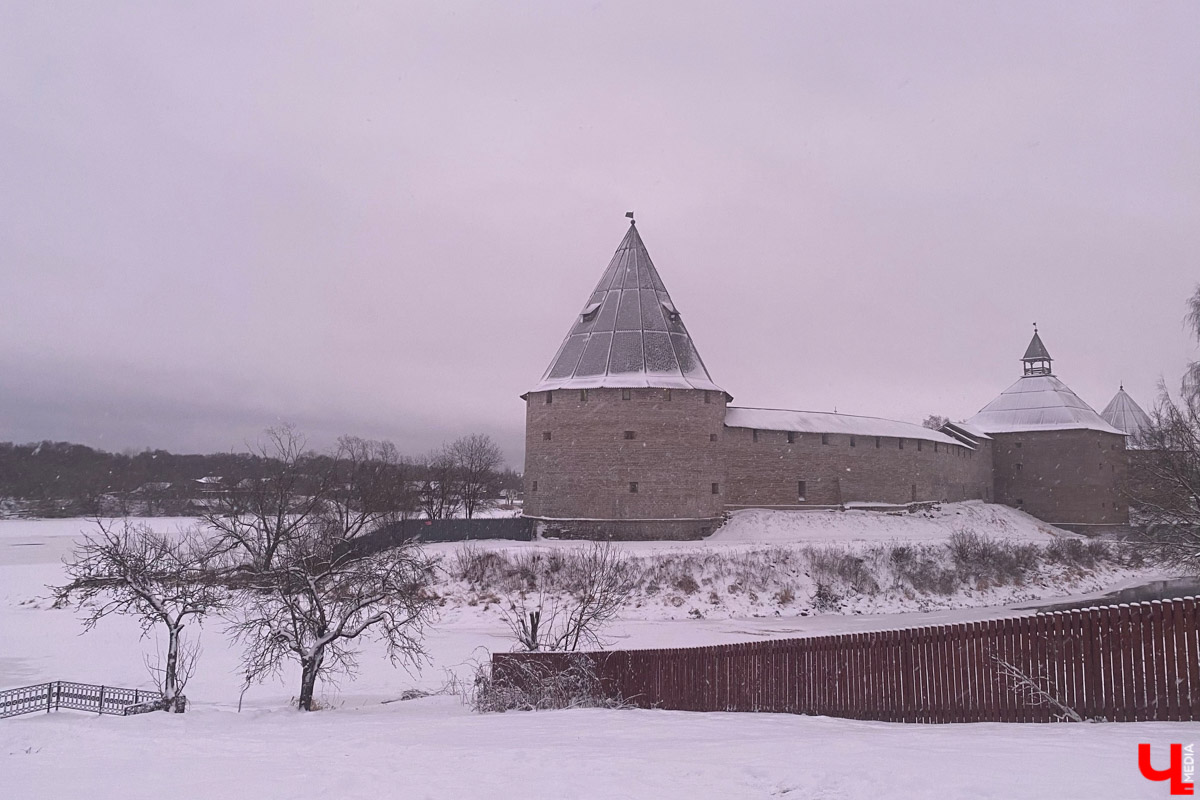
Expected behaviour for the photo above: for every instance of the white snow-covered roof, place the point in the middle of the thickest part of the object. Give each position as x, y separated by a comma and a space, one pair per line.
1124, 414
1038, 403
970, 430
629, 333
776, 419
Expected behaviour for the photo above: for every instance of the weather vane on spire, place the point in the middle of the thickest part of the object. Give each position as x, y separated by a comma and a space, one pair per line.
632, 221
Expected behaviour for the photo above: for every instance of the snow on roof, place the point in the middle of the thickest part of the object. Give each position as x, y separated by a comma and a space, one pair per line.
1038, 403
775, 419
629, 333
1124, 414
970, 430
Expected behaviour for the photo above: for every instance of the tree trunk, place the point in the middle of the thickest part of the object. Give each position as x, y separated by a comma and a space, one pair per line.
309, 667
171, 673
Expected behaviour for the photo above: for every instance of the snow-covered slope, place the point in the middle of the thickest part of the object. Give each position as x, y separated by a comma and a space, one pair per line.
932, 525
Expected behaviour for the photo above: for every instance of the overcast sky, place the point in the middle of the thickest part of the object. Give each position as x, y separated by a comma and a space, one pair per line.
381, 219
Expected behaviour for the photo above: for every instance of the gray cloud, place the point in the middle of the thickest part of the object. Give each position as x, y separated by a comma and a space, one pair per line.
381, 219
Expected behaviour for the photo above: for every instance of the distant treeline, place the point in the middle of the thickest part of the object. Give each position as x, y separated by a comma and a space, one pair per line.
50, 479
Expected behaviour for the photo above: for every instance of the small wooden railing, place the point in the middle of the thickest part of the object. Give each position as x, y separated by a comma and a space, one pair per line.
79, 696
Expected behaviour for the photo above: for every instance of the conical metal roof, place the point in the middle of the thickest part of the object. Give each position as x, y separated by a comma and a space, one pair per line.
1124, 414
1036, 350
1038, 403
629, 333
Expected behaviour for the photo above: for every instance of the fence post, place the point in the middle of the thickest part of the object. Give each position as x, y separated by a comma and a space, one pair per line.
49, 696
100, 710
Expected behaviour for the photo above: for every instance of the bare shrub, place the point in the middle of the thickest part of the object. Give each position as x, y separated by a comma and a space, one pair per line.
687, 584
923, 569
998, 562
825, 598
534, 685
829, 565
1037, 690
598, 581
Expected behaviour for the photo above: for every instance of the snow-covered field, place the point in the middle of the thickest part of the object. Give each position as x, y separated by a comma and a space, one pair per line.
364, 746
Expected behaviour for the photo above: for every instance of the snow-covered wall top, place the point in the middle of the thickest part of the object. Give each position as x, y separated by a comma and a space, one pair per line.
628, 334
775, 419
1038, 403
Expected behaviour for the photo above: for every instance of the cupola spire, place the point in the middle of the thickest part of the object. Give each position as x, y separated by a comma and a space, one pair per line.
1037, 359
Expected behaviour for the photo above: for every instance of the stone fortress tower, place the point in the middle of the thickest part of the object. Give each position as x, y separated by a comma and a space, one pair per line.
1053, 455
622, 434
627, 436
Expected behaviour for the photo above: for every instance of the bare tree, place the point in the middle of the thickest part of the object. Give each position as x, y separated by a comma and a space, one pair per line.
935, 422
604, 580
440, 495
130, 569
370, 486
322, 595
1191, 375
477, 461
1165, 468
310, 581
1165, 483
257, 516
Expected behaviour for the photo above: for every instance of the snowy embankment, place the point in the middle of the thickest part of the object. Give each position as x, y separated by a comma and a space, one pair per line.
788, 564
841, 527
365, 745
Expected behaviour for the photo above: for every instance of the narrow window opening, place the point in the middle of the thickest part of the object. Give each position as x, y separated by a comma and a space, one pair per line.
708, 398
824, 438
583, 395
668, 394
878, 442
935, 444
625, 394
716, 488
800, 489
754, 435
1018, 467
901, 443
534, 489
630, 434
791, 437
919, 443
852, 442
633, 489
546, 436
549, 398
712, 437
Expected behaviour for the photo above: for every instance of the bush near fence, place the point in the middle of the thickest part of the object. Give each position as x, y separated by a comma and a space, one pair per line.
1120, 663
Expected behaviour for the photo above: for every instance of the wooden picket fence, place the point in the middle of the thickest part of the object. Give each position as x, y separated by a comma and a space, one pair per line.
1120, 663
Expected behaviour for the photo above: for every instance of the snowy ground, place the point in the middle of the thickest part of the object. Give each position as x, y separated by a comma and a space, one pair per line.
363, 746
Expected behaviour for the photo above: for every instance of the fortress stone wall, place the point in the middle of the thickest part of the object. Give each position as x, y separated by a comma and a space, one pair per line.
627, 436
765, 470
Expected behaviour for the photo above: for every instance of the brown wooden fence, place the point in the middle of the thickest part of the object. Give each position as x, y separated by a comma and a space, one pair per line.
1119, 663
